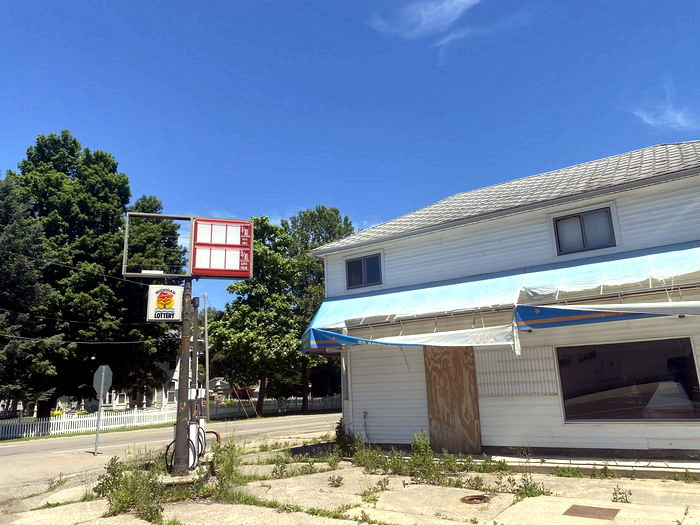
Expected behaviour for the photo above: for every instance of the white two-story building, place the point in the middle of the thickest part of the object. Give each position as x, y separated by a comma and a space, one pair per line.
557, 312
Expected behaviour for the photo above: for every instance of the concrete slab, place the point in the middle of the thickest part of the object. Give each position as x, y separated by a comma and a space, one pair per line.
551, 509
313, 490
221, 514
431, 504
651, 469
122, 519
61, 495
64, 515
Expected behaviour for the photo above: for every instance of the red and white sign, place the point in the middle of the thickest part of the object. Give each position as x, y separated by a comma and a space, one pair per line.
222, 248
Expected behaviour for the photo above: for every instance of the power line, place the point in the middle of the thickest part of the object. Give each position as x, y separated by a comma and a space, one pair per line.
69, 320
81, 342
74, 267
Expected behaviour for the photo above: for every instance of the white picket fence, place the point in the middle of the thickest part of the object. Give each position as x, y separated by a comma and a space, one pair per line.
246, 408
72, 424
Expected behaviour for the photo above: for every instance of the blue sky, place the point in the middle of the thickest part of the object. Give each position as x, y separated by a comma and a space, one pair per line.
265, 107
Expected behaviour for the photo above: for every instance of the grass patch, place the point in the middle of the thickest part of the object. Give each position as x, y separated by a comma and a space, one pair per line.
53, 505
569, 472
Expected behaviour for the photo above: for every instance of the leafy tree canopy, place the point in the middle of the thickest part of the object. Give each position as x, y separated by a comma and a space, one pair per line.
79, 198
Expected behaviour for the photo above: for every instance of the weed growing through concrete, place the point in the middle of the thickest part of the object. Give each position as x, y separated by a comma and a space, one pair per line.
335, 481
474, 483
620, 495
686, 477
604, 473
57, 482
527, 487
371, 495
685, 515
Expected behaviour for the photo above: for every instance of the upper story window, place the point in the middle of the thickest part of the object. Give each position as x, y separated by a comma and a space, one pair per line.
364, 271
589, 230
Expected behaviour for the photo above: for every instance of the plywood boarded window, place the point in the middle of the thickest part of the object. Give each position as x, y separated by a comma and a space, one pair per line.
453, 406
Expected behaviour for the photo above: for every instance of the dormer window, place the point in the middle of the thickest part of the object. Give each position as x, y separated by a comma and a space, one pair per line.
589, 230
364, 271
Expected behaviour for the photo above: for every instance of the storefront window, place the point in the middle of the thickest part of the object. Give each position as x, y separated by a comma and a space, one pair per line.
640, 380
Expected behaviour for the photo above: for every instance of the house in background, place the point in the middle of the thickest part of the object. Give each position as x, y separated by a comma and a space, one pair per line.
219, 390
557, 312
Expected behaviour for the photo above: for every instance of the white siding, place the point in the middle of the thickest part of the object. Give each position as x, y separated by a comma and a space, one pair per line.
538, 420
389, 385
500, 373
646, 217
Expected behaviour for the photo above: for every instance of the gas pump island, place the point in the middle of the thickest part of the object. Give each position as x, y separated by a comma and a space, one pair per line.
219, 249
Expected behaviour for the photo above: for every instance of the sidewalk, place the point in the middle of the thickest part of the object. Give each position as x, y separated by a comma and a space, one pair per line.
573, 501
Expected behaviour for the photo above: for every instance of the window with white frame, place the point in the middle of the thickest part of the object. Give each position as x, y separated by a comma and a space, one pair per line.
364, 271
588, 230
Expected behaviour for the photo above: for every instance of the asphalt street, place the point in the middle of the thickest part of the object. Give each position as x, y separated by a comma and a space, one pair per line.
27, 463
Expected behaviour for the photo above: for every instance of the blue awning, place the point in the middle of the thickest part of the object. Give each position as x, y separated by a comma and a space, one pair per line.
317, 339
588, 278
536, 317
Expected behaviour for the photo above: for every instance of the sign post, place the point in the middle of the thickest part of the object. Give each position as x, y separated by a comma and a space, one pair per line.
219, 249
101, 382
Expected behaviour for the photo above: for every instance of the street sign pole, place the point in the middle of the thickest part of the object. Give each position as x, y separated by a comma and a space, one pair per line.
101, 382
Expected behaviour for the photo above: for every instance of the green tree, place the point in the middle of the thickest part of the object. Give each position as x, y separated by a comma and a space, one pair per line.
257, 334
309, 229
27, 365
80, 198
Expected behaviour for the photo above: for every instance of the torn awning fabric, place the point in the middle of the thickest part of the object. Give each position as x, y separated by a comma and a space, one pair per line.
537, 317
317, 339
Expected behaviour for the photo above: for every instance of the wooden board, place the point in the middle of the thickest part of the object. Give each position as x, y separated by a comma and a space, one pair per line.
453, 407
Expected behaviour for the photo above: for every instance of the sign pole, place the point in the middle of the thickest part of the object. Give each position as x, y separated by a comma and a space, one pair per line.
101, 380
99, 420
206, 353
181, 456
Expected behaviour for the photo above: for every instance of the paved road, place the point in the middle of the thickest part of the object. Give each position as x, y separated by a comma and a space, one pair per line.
28, 463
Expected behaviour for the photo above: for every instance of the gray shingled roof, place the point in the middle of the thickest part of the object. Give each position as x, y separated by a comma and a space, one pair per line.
636, 168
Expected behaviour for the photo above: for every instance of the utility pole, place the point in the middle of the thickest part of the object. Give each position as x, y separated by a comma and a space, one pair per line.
181, 456
206, 353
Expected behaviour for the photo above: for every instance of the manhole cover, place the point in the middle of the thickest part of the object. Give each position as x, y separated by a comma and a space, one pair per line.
475, 500
584, 511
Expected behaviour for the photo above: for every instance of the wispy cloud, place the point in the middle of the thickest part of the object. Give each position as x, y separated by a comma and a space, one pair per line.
423, 18
520, 19
665, 114
437, 19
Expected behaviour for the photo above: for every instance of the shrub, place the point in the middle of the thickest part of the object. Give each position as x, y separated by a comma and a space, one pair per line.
347, 442
112, 479
140, 491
